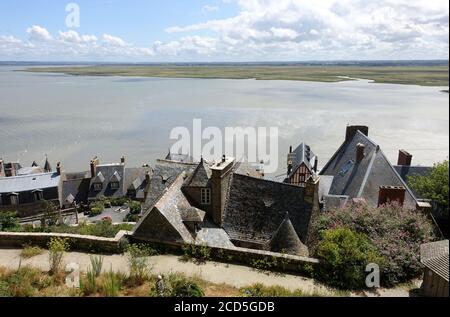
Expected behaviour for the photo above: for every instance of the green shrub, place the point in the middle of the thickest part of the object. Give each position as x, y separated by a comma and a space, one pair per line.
9, 221
95, 211
259, 290
139, 263
201, 253
132, 218
395, 232
57, 247
177, 285
96, 264
135, 207
265, 263
4, 289
31, 251
88, 284
112, 284
343, 256
118, 202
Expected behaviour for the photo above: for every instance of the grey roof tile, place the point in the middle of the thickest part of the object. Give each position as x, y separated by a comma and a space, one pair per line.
434, 256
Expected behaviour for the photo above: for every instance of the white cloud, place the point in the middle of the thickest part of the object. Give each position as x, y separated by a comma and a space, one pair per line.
273, 30
209, 8
37, 33
113, 40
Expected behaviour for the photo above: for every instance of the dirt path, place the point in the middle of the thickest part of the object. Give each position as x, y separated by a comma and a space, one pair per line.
219, 273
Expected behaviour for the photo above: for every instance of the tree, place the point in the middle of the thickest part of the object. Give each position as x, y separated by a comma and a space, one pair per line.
344, 255
433, 186
8, 221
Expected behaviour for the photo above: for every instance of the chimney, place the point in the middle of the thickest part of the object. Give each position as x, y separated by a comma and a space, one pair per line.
122, 160
389, 194
290, 149
58, 168
404, 158
360, 154
147, 178
219, 182
352, 129
94, 162
316, 164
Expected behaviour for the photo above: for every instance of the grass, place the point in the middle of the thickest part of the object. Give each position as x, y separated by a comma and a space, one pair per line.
31, 251
30, 282
408, 75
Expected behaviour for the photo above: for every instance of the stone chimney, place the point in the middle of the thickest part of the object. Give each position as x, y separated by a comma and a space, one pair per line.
122, 160
360, 152
94, 162
219, 180
389, 194
316, 164
58, 168
352, 129
404, 158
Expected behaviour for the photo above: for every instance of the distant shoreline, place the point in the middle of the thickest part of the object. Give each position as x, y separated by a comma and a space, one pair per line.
433, 76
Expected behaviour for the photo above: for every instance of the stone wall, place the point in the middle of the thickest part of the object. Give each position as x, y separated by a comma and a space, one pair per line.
239, 255
77, 242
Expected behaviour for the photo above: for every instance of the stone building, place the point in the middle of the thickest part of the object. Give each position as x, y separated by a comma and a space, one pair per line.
301, 165
228, 203
27, 193
434, 257
359, 170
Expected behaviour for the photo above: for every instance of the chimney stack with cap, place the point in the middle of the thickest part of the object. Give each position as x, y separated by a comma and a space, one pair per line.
94, 162
58, 168
360, 152
352, 129
404, 158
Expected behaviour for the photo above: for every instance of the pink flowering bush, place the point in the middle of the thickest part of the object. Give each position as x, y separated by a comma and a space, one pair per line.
395, 232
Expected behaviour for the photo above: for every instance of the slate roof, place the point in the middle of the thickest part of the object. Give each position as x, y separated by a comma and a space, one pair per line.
182, 158
105, 175
200, 177
30, 170
302, 154
363, 180
166, 220
287, 241
78, 188
255, 209
17, 184
435, 257
164, 174
244, 168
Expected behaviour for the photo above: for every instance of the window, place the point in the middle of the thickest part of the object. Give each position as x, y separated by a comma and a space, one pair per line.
206, 196
115, 185
14, 199
98, 186
38, 195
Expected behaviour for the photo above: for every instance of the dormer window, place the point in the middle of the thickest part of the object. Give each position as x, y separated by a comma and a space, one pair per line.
98, 186
206, 196
38, 195
115, 185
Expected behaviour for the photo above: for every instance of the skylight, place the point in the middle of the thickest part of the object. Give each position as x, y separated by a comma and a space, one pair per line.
346, 168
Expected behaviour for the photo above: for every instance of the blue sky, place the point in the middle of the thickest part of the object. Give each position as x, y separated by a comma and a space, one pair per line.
224, 30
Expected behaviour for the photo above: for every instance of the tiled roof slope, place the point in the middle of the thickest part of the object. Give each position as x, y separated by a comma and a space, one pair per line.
363, 180
287, 241
435, 257
256, 208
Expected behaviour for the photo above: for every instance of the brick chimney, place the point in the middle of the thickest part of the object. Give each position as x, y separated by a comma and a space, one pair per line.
389, 194
352, 129
404, 158
360, 152
219, 180
94, 162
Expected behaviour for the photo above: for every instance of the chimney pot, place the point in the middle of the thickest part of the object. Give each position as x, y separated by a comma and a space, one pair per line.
360, 154
58, 168
122, 160
224, 159
316, 164
290, 149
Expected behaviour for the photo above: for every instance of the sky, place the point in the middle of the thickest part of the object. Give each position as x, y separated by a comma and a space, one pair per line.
223, 30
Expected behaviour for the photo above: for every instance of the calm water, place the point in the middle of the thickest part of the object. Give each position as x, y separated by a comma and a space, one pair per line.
73, 119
